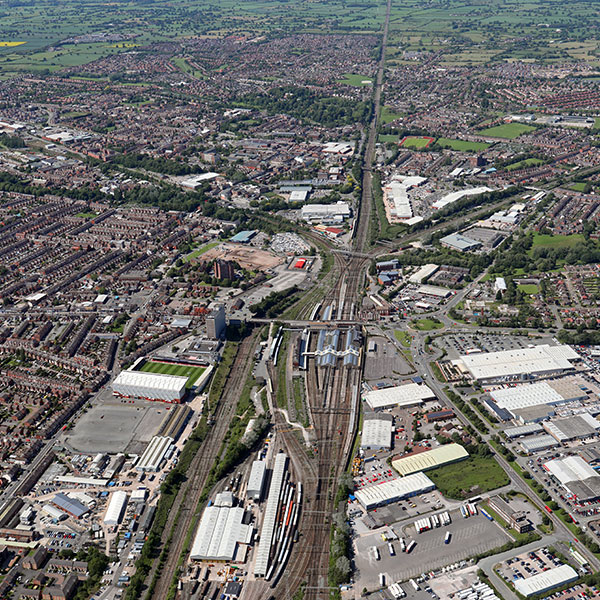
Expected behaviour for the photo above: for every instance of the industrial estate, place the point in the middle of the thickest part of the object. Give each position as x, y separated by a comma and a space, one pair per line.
299, 300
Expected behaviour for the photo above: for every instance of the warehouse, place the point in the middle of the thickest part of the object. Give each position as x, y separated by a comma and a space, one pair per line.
434, 291
515, 399
576, 476
149, 386
546, 581
392, 491
53, 512
155, 453
411, 394
377, 432
538, 443
256, 481
219, 534
457, 241
423, 273
69, 505
577, 427
522, 363
522, 430
443, 455
116, 508
326, 212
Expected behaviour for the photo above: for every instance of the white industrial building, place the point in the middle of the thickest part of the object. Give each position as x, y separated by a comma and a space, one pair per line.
410, 394
150, 386
116, 508
155, 453
377, 433
434, 291
219, 534
454, 196
394, 490
525, 396
521, 363
337, 212
423, 273
261, 562
396, 194
256, 481
538, 443
576, 476
546, 581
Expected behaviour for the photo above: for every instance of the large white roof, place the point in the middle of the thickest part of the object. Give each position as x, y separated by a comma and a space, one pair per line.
506, 363
396, 489
376, 433
572, 468
153, 380
409, 394
546, 580
524, 396
114, 512
220, 531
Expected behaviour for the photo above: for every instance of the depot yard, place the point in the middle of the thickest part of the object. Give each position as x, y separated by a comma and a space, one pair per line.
508, 131
469, 477
471, 536
193, 373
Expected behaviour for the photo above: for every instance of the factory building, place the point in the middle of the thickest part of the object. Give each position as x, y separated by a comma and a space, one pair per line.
411, 394
256, 481
577, 427
424, 461
373, 496
576, 476
149, 386
523, 430
70, 506
116, 508
546, 581
462, 243
538, 443
155, 453
518, 364
326, 213
377, 432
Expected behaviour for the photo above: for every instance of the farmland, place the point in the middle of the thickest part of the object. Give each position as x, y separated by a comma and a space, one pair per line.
193, 373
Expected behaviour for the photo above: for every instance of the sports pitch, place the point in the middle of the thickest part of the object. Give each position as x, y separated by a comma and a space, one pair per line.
193, 373
416, 142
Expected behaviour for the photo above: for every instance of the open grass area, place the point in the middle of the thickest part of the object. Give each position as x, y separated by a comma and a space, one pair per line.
198, 252
86, 215
387, 116
192, 373
462, 145
556, 241
508, 131
356, 80
469, 477
403, 337
426, 324
416, 142
578, 186
525, 164
387, 137
529, 288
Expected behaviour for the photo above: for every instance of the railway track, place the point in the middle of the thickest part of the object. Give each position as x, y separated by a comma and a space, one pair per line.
186, 503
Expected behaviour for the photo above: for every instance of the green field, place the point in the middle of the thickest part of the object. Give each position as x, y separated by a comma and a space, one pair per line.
86, 215
579, 186
403, 337
557, 241
415, 142
529, 288
387, 116
426, 324
462, 145
469, 477
524, 164
387, 137
199, 251
193, 373
508, 131
356, 80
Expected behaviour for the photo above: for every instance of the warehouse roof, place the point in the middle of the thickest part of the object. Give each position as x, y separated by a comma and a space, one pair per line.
540, 442
154, 453
529, 429
524, 396
153, 380
508, 363
220, 531
402, 395
575, 427
571, 468
376, 433
114, 512
395, 489
69, 505
424, 272
244, 237
546, 580
430, 459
